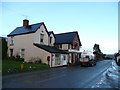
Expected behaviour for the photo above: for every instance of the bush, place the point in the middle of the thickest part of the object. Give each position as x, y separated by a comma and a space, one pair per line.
4, 48
11, 58
17, 58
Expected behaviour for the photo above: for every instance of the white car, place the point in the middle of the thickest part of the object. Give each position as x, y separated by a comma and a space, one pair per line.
87, 58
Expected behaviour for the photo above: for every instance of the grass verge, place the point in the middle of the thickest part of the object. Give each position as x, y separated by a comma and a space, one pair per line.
13, 66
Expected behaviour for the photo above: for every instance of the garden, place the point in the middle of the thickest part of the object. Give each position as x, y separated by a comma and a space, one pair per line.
14, 66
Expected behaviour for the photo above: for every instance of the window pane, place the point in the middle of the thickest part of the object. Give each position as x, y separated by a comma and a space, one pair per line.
22, 53
12, 39
50, 39
41, 37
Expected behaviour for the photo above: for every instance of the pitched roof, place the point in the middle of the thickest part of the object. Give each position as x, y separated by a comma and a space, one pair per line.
50, 32
23, 30
65, 37
50, 49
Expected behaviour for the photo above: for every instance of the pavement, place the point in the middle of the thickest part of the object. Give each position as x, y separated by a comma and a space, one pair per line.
61, 77
111, 78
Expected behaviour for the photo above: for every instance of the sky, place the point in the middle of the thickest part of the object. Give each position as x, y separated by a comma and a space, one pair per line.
96, 22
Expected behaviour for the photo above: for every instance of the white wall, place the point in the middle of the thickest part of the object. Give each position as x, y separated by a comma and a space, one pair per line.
26, 41
53, 40
37, 35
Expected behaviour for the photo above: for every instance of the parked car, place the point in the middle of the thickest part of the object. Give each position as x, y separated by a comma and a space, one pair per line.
117, 58
87, 59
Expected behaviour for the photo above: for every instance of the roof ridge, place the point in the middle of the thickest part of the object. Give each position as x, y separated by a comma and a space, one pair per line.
37, 23
23, 30
50, 31
31, 24
67, 32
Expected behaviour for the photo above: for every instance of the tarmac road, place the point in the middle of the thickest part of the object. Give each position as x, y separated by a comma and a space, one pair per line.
61, 77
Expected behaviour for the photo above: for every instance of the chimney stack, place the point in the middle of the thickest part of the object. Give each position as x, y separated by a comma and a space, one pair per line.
25, 23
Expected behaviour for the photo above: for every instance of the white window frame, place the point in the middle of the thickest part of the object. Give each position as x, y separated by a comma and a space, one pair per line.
12, 40
41, 38
50, 40
64, 57
22, 53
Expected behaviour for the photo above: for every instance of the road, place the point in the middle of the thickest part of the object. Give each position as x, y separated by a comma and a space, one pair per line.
61, 77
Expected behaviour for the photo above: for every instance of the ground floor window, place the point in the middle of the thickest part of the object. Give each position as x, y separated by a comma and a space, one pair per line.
57, 59
22, 53
11, 52
64, 57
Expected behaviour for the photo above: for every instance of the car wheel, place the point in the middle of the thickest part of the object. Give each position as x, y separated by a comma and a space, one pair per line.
92, 64
81, 65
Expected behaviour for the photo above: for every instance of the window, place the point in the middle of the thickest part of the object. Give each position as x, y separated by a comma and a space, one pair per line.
64, 57
57, 59
41, 38
12, 41
76, 46
50, 40
11, 52
22, 53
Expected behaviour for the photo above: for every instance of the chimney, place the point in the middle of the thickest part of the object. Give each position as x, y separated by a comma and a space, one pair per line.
25, 23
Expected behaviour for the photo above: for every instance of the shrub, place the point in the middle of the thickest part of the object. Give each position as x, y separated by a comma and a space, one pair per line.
17, 57
12, 58
4, 48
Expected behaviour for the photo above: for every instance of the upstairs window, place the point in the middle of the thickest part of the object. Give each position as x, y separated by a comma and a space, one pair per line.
12, 41
76, 45
41, 38
50, 40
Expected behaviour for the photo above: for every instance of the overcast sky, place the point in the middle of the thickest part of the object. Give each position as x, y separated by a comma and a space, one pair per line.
96, 22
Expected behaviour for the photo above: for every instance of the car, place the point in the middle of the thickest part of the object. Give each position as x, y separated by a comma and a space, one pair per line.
87, 59
117, 58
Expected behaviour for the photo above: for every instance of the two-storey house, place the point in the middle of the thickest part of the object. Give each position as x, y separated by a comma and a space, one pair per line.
70, 42
34, 41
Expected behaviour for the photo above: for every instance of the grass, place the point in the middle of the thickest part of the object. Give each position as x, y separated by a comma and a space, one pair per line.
12, 66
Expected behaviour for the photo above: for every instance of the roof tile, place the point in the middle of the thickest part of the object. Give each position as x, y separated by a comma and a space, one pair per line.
65, 37
23, 30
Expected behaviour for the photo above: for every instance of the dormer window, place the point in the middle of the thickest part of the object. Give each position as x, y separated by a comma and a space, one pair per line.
41, 38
